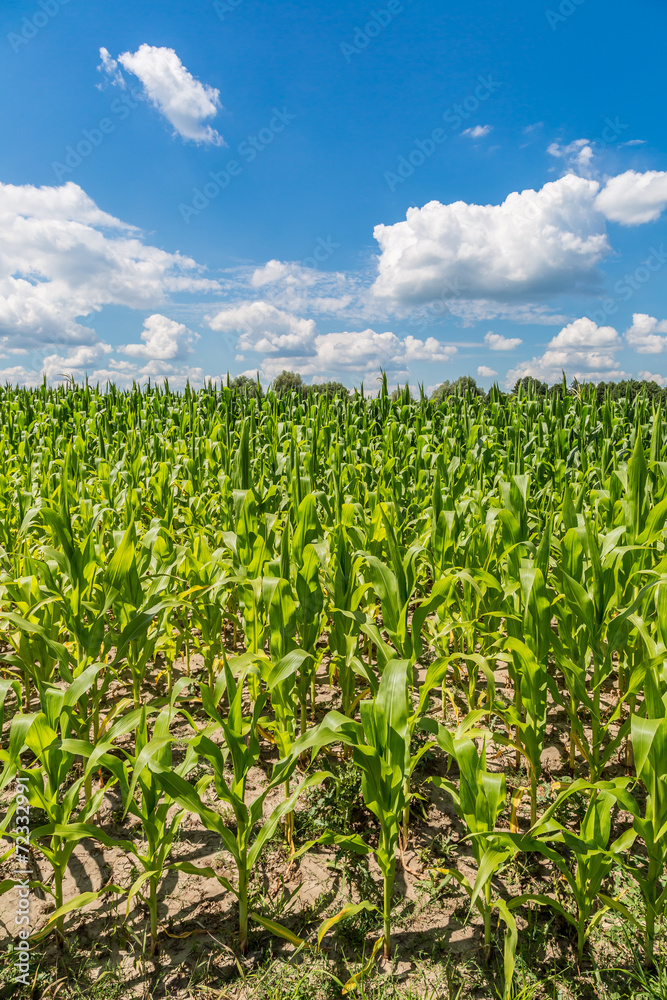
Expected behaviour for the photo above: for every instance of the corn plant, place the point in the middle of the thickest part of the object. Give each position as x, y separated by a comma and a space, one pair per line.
135, 603
380, 746
50, 787
590, 588
649, 741
479, 802
409, 544
147, 801
594, 853
530, 717
346, 593
241, 746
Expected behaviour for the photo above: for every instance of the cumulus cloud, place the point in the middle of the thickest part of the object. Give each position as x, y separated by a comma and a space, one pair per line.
647, 334
577, 154
660, 379
357, 351
496, 342
59, 369
363, 353
634, 198
184, 101
477, 132
98, 363
582, 349
275, 271
163, 340
484, 371
426, 350
63, 258
293, 287
535, 243
261, 326
290, 341
76, 363
585, 333
177, 374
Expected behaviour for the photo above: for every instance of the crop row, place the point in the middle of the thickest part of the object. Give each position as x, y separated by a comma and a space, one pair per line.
176, 573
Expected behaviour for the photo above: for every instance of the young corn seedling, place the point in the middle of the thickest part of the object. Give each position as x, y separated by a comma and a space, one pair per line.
280, 680
649, 741
50, 787
135, 601
208, 591
395, 585
34, 630
241, 748
145, 799
309, 625
479, 802
346, 594
252, 546
531, 722
589, 581
595, 855
380, 746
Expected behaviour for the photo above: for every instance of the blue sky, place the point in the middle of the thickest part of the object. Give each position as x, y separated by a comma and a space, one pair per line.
427, 189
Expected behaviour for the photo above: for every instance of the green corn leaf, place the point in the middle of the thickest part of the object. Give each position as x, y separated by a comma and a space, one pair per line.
350, 910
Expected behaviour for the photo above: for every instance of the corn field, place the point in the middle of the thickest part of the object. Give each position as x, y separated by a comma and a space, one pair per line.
196, 588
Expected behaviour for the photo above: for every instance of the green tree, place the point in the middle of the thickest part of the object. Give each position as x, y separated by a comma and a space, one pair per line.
464, 383
245, 385
530, 386
288, 382
331, 389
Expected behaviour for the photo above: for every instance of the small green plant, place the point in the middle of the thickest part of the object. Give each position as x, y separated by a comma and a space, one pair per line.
380, 746
479, 801
241, 747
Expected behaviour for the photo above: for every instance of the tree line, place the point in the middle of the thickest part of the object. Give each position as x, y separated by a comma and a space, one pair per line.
289, 381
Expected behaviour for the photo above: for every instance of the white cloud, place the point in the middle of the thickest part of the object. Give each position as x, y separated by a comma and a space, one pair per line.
478, 132
535, 243
358, 351
276, 270
125, 373
290, 341
633, 198
296, 288
578, 154
479, 259
263, 327
18, 375
185, 102
660, 379
363, 353
163, 340
484, 371
496, 342
645, 334
585, 333
63, 258
97, 363
582, 349
426, 350
109, 68
77, 363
